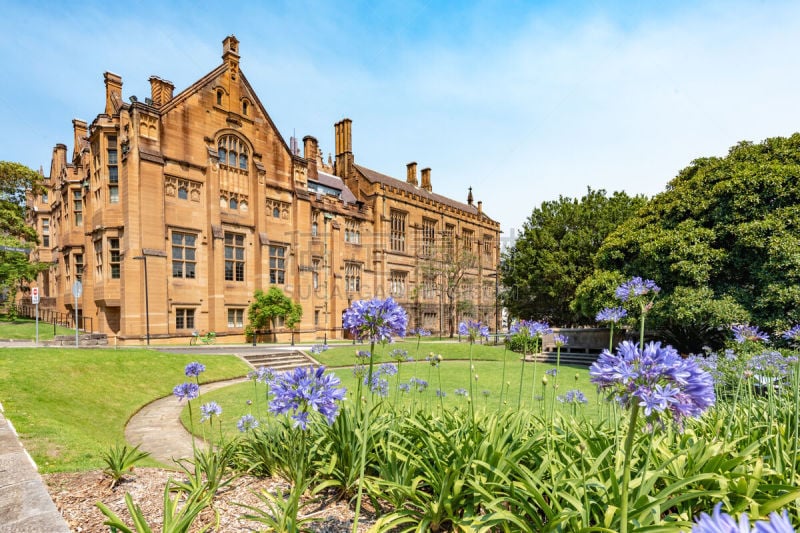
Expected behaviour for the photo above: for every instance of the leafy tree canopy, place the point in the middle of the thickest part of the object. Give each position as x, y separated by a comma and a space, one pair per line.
270, 305
16, 181
554, 253
723, 242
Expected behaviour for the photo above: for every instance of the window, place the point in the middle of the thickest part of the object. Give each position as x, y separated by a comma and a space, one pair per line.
232, 152
78, 258
234, 204
315, 224
234, 256
111, 160
316, 317
44, 197
244, 107
449, 232
277, 265
429, 321
46, 232
184, 258
397, 283
184, 318
487, 246
429, 286
315, 273
398, 231
428, 236
98, 258
219, 97
352, 277
113, 194
468, 238
352, 231
235, 318
183, 194
113, 258
276, 213
77, 207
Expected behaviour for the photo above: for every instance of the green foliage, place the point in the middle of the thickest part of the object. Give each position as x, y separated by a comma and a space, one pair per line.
209, 470
554, 253
120, 460
179, 514
722, 242
267, 306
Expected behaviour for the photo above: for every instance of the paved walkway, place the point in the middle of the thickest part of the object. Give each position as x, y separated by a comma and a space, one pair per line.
25, 505
157, 428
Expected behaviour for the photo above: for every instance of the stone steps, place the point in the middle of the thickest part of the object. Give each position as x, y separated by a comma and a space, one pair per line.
280, 361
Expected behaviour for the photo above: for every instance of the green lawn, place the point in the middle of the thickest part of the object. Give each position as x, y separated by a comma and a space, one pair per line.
25, 329
344, 355
454, 374
71, 405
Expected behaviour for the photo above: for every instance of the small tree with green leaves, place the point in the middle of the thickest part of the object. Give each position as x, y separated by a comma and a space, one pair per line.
267, 307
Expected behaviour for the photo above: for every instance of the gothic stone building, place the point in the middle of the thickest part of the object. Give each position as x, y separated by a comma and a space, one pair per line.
181, 206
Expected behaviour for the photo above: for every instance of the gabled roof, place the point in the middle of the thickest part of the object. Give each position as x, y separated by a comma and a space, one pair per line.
376, 177
335, 182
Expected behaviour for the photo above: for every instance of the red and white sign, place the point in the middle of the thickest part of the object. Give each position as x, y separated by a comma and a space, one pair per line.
35, 295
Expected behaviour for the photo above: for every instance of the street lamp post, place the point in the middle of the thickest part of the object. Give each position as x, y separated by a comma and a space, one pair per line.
146, 297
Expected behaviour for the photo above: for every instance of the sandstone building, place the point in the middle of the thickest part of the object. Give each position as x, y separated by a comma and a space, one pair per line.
200, 191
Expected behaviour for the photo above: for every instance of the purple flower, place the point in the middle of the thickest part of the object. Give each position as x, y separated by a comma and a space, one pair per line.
560, 340
551, 372
304, 390
209, 409
246, 423
363, 354
743, 332
419, 384
769, 364
573, 396
319, 348
375, 320
611, 314
792, 334
187, 390
657, 379
400, 355
720, 522
434, 359
634, 287
420, 332
405, 387
194, 369
473, 329
531, 328
461, 392
440, 393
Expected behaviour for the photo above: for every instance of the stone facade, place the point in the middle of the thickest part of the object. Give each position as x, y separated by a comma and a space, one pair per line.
181, 206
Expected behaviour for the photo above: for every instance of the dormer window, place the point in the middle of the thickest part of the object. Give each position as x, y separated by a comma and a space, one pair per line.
232, 152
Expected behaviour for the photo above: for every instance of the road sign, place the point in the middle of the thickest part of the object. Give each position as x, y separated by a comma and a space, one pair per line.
15, 249
35, 295
77, 289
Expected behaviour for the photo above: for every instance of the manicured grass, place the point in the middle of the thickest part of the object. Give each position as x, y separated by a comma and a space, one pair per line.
344, 355
25, 329
71, 405
454, 374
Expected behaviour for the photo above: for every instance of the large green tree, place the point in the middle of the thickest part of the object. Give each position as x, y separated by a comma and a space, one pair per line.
723, 242
268, 306
16, 182
555, 250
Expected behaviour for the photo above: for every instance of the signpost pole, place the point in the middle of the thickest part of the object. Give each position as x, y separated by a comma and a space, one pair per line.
77, 289
35, 301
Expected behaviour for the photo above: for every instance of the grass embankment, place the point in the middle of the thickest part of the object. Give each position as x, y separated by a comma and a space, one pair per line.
69, 406
25, 329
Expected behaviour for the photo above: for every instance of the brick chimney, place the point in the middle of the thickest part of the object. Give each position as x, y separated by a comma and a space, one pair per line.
480, 207
411, 173
426, 179
344, 148
311, 154
113, 92
160, 91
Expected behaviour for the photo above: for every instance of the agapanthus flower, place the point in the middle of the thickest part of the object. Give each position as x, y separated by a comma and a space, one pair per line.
399, 355
419, 384
405, 387
611, 314
265, 375
461, 392
434, 359
793, 334
194, 369
551, 372
187, 390
472, 329
303, 390
530, 328
246, 423
573, 396
363, 354
560, 340
375, 320
769, 364
209, 409
743, 332
420, 332
635, 287
657, 379
440, 393
719, 522
319, 348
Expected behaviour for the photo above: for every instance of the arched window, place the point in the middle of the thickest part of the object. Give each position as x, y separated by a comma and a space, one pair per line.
276, 213
183, 194
233, 152
234, 204
244, 107
223, 201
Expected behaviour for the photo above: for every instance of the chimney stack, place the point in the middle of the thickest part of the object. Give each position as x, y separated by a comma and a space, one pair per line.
113, 92
411, 173
426, 179
480, 207
344, 147
311, 154
160, 91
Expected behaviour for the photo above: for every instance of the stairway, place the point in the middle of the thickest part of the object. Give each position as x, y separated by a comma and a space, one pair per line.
281, 361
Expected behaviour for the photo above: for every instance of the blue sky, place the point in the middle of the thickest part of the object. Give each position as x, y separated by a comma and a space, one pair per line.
523, 101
